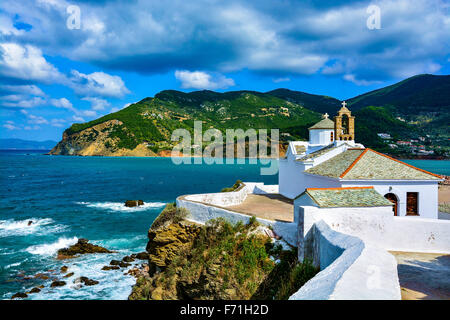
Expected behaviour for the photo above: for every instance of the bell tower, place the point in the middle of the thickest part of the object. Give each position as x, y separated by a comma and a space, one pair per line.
344, 124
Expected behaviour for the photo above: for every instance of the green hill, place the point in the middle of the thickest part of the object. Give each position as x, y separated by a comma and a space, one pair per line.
409, 109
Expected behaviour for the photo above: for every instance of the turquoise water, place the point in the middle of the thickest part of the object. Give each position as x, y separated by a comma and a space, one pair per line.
435, 166
74, 197
82, 197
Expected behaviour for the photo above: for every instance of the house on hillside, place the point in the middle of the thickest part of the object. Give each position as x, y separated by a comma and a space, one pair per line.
332, 159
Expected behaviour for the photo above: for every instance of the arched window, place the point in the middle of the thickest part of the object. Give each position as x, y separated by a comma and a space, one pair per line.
345, 124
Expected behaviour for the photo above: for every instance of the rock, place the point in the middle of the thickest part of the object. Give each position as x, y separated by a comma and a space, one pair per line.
69, 275
64, 269
58, 283
86, 281
157, 293
81, 247
166, 243
20, 295
142, 256
41, 276
114, 262
127, 259
90, 282
35, 290
124, 264
111, 268
134, 203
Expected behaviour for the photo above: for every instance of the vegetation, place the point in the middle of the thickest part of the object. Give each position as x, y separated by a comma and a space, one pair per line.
170, 214
444, 207
235, 186
228, 261
417, 106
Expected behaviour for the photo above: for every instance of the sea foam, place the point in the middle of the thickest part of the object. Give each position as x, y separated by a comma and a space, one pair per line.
40, 226
120, 207
51, 248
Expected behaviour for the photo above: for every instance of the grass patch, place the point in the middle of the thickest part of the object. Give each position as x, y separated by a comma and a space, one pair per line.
170, 214
236, 186
444, 207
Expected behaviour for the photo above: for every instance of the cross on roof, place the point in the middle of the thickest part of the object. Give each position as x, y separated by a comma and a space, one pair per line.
325, 116
344, 104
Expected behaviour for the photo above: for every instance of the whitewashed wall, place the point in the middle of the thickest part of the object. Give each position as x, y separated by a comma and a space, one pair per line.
201, 213
226, 199
350, 269
204, 207
378, 227
320, 136
428, 194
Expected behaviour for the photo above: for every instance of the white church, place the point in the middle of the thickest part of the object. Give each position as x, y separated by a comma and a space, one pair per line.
332, 159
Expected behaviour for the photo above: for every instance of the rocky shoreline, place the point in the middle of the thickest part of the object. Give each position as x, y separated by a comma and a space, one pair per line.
64, 275
184, 260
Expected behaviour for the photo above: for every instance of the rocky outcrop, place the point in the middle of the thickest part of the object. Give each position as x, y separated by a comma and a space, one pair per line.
19, 295
86, 281
142, 256
58, 283
134, 203
166, 243
98, 140
81, 247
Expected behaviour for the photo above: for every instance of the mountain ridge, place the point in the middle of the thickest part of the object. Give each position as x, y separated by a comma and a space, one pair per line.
147, 124
20, 144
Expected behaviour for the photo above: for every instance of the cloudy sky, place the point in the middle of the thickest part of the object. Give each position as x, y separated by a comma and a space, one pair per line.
64, 62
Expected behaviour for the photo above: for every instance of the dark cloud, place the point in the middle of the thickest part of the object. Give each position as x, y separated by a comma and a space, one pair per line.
278, 38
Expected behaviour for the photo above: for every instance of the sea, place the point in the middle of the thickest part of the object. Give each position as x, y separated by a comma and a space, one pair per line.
68, 198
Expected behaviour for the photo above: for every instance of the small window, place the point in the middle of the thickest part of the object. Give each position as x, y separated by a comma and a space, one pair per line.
332, 136
412, 208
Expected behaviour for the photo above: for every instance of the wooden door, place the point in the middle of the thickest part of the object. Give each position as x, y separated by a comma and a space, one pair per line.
412, 208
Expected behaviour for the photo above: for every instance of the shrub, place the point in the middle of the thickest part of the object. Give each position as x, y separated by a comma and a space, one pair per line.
170, 214
235, 187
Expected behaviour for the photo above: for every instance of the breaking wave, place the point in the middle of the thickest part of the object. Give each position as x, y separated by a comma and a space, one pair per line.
40, 226
120, 207
51, 248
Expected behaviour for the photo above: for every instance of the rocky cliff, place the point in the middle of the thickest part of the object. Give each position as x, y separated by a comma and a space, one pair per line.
97, 141
217, 261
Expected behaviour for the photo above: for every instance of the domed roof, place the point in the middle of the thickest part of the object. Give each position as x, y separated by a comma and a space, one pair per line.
323, 124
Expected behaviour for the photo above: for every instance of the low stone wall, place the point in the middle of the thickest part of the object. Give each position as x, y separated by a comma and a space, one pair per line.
350, 268
226, 199
378, 227
201, 212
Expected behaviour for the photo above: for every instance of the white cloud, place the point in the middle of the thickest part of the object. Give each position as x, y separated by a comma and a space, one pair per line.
59, 123
78, 119
202, 80
62, 103
10, 127
7, 27
23, 89
352, 78
89, 113
26, 63
97, 103
278, 80
98, 83
32, 119
29, 103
